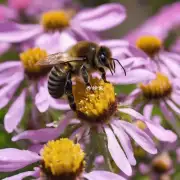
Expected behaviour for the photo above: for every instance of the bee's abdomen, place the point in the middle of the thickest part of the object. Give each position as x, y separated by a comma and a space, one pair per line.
56, 82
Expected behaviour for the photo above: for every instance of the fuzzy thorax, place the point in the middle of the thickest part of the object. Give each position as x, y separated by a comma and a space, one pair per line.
149, 44
157, 88
95, 105
62, 159
55, 20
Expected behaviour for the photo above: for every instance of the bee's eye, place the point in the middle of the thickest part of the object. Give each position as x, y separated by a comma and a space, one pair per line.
102, 59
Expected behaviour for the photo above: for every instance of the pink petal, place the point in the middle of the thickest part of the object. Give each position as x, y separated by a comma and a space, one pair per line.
7, 13
46, 134
132, 112
174, 68
36, 148
4, 47
102, 175
125, 143
9, 64
42, 99
139, 136
7, 92
173, 106
101, 18
117, 153
15, 113
20, 176
12, 159
135, 76
19, 33
59, 104
147, 111
48, 42
66, 41
175, 98
160, 133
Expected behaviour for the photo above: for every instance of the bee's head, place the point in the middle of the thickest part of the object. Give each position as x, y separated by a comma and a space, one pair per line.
105, 59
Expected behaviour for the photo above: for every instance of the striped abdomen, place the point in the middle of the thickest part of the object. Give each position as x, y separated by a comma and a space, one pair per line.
56, 82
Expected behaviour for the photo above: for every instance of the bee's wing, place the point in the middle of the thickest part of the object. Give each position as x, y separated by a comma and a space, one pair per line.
58, 58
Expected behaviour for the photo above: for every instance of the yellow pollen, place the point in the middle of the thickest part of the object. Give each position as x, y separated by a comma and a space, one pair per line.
62, 157
140, 125
149, 44
55, 20
30, 57
95, 102
162, 162
157, 88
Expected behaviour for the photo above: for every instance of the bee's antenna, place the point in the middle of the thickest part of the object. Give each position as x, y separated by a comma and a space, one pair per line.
120, 65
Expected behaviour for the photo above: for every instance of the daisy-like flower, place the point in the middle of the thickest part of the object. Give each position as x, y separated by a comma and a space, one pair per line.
158, 25
108, 123
162, 92
23, 81
82, 25
160, 167
59, 159
161, 60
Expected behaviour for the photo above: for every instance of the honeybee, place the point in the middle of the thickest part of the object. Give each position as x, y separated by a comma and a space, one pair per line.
80, 59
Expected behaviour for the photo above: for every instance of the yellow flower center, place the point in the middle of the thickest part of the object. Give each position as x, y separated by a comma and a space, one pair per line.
55, 20
140, 125
63, 158
157, 88
95, 105
162, 163
29, 59
149, 44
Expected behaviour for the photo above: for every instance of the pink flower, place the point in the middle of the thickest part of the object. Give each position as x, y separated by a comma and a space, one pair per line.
162, 92
12, 76
82, 25
159, 25
103, 121
12, 159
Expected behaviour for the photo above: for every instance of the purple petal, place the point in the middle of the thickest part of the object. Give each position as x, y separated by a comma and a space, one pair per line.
101, 18
160, 133
46, 134
21, 176
7, 92
134, 76
18, 33
125, 142
35, 148
117, 153
173, 106
13, 159
132, 112
102, 175
174, 68
42, 99
139, 136
147, 111
66, 41
4, 47
48, 42
59, 104
144, 169
9, 64
175, 98
7, 13
15, 113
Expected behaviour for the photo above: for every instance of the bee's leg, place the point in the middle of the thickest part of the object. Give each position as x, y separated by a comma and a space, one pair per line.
68, 91
85, 76
103, 74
